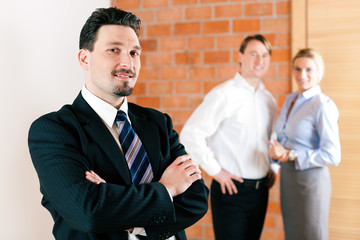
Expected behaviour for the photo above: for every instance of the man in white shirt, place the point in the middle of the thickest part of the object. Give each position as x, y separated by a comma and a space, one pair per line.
228, 135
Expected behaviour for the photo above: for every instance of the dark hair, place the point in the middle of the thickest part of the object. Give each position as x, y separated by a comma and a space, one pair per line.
106, 16
258, 37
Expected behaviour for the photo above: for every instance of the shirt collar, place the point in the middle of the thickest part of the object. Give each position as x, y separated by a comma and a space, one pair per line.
244, 83
312, 92
106, 111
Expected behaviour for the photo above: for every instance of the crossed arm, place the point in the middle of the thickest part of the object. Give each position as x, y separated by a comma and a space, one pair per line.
177, 178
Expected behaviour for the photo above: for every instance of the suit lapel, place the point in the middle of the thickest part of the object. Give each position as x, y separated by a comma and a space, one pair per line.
96, 128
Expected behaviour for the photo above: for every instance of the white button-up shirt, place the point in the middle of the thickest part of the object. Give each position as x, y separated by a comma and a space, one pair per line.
231, 129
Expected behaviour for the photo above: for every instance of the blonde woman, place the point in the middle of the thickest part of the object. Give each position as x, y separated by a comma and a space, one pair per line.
306, 142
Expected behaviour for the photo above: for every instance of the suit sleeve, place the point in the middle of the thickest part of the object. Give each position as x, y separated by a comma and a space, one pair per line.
189, 206
58, 157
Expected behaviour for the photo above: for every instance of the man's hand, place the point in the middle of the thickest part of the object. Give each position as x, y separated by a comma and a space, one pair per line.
278, 152
93, 177
226, 182
179, 176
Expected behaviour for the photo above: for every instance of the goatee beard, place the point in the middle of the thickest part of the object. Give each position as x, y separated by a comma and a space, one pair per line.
124, 91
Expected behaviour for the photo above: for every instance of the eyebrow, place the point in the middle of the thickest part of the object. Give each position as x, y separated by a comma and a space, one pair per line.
137, 47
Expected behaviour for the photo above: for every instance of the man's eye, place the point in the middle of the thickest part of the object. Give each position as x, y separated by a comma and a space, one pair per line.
135, 53
113, 50
309, 70
297, 69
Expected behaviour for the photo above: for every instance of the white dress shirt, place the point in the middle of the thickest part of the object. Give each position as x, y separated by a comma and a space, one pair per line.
108, 114
231, 129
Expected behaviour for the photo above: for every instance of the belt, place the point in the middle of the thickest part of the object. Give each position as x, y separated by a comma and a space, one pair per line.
254, 183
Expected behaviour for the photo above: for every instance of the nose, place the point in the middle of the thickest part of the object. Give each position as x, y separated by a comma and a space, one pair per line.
126, 61
259, 60
303, 73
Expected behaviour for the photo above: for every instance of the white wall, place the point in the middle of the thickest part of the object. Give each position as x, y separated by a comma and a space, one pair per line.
39, 73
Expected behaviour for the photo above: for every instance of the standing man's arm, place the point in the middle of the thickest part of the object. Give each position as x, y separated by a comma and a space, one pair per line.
203, 123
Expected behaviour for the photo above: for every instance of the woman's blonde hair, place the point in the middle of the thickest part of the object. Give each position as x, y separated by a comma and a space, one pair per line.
314, 55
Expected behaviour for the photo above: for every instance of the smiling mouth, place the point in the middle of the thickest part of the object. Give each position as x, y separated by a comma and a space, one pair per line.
123, 76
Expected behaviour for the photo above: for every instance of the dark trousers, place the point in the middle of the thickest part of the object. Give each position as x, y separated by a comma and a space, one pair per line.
239, 216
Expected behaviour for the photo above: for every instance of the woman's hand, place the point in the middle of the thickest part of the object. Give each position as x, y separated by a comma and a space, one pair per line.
278, 152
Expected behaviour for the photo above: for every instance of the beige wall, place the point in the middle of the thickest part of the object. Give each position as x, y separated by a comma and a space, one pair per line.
333, 28
38, 73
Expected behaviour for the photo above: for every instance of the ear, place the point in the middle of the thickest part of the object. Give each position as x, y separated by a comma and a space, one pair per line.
83, 57
240, 57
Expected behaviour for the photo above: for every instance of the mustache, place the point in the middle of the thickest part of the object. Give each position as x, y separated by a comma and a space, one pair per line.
123, 70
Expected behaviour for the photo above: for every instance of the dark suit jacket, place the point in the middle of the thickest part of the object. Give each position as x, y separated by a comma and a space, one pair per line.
65, 144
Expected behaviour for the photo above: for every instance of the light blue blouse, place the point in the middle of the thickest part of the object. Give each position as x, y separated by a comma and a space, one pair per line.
311, 129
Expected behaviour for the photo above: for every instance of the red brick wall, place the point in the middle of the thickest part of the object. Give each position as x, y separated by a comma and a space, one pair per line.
190, 46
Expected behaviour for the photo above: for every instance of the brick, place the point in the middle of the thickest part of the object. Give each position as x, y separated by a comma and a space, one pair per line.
152, 102
246, 25
276, 24
173, 73
283, 39
195, 101
271, 37
149, 73
140, 88
184, 2
159, 88
181, 117
196, 13
209, 232
283, 8
169, 14
236, 55
213, 1
187, 28
188, 87
280, 55
159, 59
270, 221
155, 3
228, 71
272, 234
145, 16
174, 102
284, 71
208, 86
128, 5
159, 30
202, 73
272, 71
216, 57
226, 11
148, 45
258, 9
274, 192
274, 207
194, 231
278, 86
203, 42
216, 27
190, 58
280, 101
231, 41
170, 44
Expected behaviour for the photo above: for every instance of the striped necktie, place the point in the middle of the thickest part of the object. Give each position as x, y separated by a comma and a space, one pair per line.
134, 151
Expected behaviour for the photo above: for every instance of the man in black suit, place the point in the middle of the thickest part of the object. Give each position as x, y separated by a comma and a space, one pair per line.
84, 138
